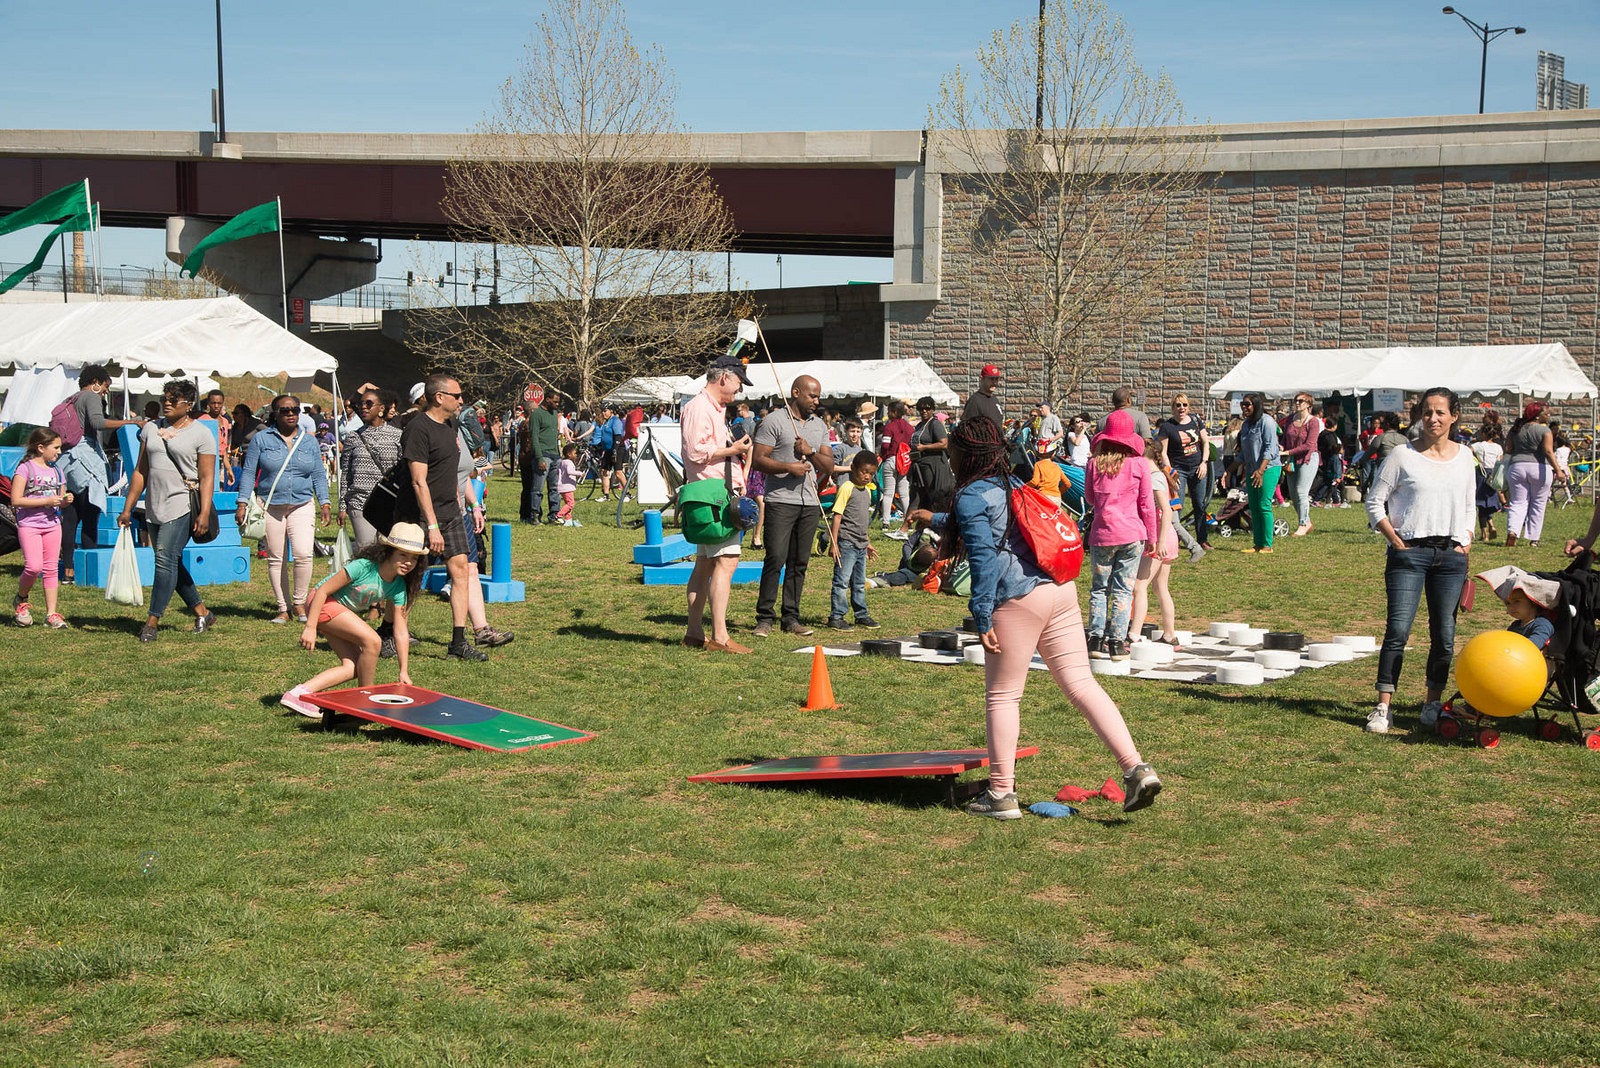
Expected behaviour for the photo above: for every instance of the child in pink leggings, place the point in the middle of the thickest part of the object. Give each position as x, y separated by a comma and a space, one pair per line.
1018, 608
37, 494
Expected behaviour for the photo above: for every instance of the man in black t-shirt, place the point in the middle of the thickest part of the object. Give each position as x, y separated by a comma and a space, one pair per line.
428, 445
984, 402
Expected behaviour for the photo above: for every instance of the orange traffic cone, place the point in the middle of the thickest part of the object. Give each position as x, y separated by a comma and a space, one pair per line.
820, 697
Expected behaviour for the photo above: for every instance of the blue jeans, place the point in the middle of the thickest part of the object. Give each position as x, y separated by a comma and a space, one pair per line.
1408, 574
850, 581
168, 540
544, 485
1191, 485
1305, 474
1113, 568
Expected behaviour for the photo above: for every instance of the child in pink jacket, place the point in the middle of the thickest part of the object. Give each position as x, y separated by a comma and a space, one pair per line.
1117, 487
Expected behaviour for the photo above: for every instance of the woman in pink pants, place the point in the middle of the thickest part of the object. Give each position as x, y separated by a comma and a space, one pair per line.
1018, 608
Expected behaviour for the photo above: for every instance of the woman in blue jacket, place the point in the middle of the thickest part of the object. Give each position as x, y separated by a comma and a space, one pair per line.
1018, 608
283, 466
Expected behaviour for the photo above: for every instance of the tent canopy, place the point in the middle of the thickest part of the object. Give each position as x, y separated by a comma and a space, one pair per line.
846, 378
220, 336
663, 390
1545, 370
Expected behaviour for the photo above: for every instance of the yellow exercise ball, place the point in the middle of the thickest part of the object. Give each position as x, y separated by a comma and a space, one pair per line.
1500, 673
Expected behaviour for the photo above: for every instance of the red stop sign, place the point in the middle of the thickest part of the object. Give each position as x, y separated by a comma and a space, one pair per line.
533, 395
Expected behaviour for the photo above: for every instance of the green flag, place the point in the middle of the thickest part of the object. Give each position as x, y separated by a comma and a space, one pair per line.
261, 219
65, 203
83, 221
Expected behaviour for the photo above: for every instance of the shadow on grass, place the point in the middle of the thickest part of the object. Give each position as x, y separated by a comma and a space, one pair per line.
1408, 731
595, 632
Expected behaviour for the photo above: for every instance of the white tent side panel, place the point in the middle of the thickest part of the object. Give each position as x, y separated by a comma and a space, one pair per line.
1285, 372
220, 336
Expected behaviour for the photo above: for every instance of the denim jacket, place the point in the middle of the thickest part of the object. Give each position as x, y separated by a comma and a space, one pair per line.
1000, 573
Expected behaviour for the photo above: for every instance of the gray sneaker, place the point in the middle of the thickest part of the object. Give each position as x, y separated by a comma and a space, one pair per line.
996, 808
1430, 715
1378, 720
1141, 785
465, 650
388, 650
763, 629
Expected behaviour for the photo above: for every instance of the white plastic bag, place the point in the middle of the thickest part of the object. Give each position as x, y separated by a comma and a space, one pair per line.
122, 581
343, 551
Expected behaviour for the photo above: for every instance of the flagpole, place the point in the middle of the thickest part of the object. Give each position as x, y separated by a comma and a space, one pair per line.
283, 275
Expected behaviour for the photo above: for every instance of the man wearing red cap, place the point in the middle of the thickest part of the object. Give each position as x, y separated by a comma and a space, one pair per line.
983, 402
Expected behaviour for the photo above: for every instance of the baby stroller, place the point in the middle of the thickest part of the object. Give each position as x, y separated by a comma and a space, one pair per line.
1571, 658
1235, 515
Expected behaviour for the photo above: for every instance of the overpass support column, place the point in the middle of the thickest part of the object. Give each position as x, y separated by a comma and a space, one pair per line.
313, 267
918, 247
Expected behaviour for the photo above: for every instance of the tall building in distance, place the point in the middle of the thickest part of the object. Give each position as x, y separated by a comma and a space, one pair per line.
1554, 92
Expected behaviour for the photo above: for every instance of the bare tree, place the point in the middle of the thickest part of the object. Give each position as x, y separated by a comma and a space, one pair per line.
582, 182
1076, 166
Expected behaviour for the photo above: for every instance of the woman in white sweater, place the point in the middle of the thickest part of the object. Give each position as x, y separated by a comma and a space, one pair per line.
1423, 502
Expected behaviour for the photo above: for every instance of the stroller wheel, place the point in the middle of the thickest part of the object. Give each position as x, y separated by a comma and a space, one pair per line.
1550, 730
1488, 738
1447, 728
1225, 530
1280, 528
1592, 740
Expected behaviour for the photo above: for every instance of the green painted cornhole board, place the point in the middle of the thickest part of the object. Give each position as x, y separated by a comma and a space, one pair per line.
449, 719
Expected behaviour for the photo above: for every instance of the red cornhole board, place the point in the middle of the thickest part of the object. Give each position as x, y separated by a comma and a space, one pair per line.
943, 763
449, 719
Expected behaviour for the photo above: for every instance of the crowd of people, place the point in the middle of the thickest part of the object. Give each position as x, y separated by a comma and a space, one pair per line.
410, 486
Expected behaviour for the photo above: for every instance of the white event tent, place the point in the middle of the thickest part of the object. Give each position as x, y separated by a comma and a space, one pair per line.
221, 337
878, 379
651, 390
1543, 370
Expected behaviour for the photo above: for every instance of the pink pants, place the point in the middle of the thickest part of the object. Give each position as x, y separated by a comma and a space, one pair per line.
1047, 619
41, 555
567, 498
295, 524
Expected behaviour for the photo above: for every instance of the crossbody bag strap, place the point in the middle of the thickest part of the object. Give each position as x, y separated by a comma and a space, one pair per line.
274, 487
165, 444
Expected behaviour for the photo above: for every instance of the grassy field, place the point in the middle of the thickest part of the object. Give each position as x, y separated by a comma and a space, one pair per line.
189, 875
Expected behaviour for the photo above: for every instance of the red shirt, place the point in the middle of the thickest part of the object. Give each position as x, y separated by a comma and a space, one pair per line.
896, 432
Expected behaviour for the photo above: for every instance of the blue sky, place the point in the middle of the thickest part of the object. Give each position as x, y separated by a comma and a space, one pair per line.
405, 65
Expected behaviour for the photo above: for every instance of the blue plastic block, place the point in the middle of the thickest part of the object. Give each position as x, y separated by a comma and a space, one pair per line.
434, 578
225, 502
502, 592
678, 574
10, 457
91, 567
227, 529
215, 565
674, 548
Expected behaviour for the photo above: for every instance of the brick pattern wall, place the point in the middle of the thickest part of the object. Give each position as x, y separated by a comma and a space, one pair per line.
1454, 256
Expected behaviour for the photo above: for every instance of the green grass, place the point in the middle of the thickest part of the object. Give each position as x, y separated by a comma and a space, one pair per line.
1302, 893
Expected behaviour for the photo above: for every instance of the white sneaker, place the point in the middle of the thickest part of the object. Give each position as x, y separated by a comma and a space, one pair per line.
1378, 720
1430, 714
293, 701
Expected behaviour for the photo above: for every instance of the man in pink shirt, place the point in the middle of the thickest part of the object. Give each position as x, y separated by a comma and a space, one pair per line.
708, 452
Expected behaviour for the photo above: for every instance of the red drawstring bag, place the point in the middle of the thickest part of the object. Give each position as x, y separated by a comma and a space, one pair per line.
902, 459
1049, 531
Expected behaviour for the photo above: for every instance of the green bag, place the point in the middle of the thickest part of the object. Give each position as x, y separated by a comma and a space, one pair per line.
703, 512
958, 580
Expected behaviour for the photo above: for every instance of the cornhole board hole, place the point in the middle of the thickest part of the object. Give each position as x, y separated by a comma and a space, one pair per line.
943, 764
449, 719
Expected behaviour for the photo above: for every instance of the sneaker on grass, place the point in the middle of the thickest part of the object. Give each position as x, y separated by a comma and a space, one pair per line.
1430, 714
1378, 720
1004, 807
1141, 785
465, 650
295, 701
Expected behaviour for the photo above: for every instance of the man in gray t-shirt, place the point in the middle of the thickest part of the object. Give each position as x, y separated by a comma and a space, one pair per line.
791, 451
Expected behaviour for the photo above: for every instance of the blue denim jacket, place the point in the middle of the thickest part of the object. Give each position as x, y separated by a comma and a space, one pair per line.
1256, 440
305, 478
1000, 573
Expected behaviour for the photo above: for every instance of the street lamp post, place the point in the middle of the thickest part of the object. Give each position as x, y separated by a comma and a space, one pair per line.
222, 112
1485, 34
